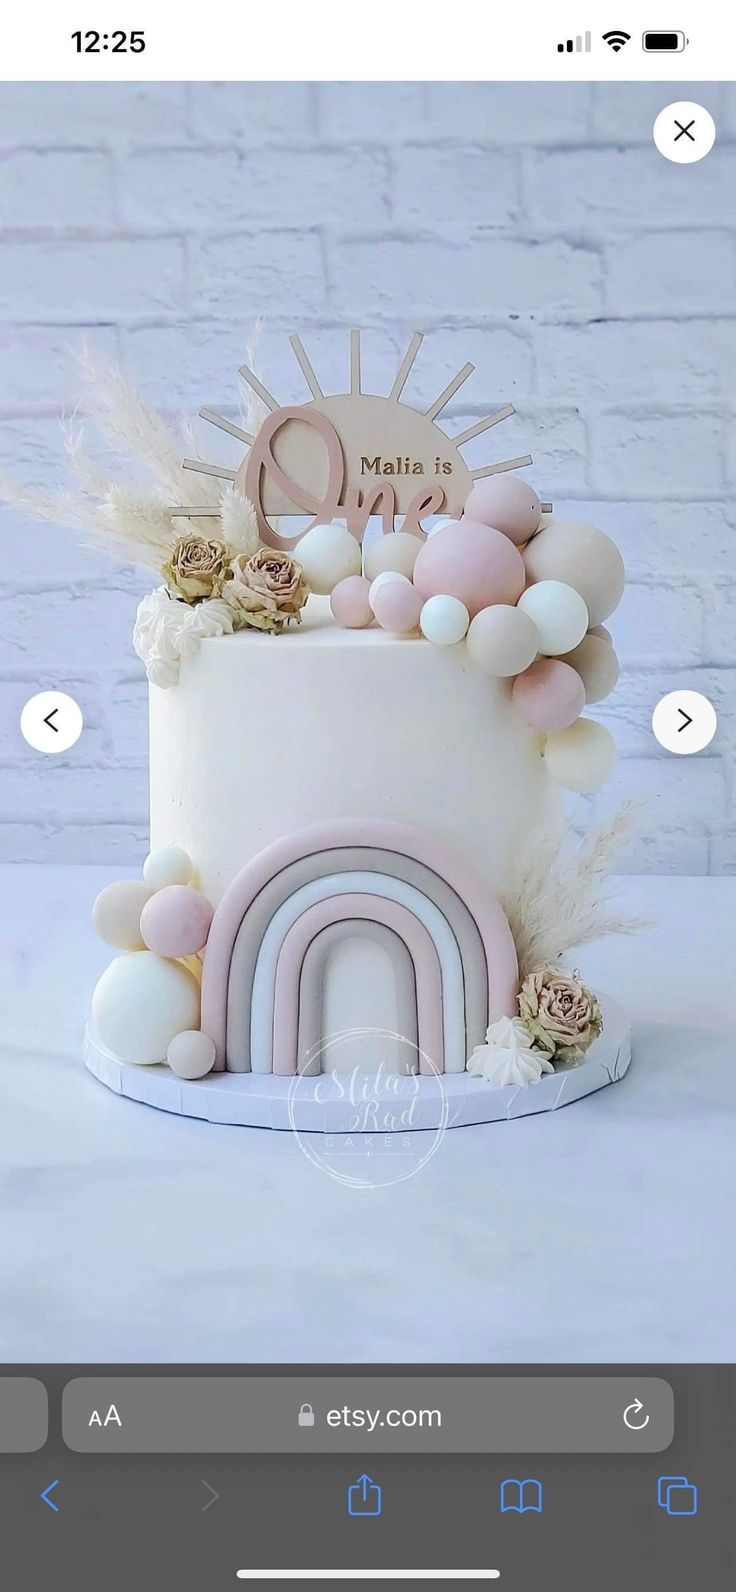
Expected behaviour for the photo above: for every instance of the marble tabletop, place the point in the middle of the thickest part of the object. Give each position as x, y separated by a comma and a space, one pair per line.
603, 1232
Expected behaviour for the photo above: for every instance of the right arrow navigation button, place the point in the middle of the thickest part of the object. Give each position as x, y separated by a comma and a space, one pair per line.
684, 722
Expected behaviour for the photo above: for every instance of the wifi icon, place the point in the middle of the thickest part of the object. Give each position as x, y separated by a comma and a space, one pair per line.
616, 38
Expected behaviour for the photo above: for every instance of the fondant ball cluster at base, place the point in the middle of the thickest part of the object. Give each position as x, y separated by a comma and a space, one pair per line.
526, 593
145, 1007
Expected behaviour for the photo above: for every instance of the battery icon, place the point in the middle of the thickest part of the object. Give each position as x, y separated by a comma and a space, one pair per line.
664, 43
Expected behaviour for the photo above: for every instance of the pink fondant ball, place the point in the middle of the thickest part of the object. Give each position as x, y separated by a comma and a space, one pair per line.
176, 921
397, 606
549, 695
508, 504
472, 562
349, 603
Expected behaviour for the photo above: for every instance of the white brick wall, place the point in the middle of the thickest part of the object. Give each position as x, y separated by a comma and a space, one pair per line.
530, 228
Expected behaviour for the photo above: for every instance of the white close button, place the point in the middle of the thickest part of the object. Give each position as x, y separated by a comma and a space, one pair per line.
684, 722
51, 721
685, 132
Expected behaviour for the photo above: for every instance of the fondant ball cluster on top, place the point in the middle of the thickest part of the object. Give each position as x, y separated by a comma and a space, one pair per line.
145, 1007
526, 593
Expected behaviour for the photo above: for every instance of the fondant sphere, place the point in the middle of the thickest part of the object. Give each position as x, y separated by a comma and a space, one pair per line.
596, 663
502, 640
506, 503
559, 613
168, 865
328, 554
116, 914
397, 606
140, 1003
176, 921
600, 630
444, 620
350, 605
397, 551
383, 580
582, 756
549, 695
472, 562
191, 1054
584, 558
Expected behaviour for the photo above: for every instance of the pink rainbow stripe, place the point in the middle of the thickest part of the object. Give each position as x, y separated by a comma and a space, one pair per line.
385, 835
419, 944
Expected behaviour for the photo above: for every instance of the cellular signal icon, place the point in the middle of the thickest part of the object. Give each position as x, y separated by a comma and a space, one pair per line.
616, 38
580, 42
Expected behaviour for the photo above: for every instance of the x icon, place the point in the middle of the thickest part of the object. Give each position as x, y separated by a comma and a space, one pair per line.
685, 130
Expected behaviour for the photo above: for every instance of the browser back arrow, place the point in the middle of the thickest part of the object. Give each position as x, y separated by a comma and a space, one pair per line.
49, 1501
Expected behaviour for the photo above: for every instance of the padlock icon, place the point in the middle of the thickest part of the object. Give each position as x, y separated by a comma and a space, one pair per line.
306, 1415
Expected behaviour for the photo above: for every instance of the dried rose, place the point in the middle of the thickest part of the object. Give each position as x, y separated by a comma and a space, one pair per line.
198, 568
559, 1012
267, 590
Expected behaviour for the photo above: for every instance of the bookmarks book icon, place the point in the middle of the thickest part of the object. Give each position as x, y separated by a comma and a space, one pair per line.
521, 1497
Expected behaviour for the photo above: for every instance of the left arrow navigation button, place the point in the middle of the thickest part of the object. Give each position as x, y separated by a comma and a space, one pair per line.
51, 721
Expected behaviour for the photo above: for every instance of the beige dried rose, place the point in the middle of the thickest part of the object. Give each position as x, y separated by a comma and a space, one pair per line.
198, 568
559, 1012
268, 590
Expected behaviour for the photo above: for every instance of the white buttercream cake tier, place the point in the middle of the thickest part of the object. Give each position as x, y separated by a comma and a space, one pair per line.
266, 734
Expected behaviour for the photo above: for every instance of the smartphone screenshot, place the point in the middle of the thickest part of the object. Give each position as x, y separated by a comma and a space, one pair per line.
367, 833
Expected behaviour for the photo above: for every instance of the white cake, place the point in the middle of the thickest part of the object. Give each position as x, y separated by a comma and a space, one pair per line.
353, 756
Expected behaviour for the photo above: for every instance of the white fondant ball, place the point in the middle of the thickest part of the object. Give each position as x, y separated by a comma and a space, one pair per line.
140, 1004
191, 1054
168, 865
380, 580
582, 756
438, 523
328, 554
582, 556
116, 914
503, 641
444, 621
559, 614
398, 552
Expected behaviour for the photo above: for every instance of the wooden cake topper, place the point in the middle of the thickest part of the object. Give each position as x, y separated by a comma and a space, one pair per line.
352, 454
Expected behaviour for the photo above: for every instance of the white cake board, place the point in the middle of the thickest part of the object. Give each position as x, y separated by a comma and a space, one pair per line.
318, 1106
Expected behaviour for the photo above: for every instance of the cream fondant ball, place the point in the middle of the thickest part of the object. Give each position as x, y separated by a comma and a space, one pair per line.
350, 605
168, 865
559, 613
582, 557
176, 921
383, 579
397, 551
191, 1054
397, 606
549, 695
444, 620
506, 503
140, 1003
502, 640
600, 630
472, 562
328, 554
116, 914
582, 756
596, 663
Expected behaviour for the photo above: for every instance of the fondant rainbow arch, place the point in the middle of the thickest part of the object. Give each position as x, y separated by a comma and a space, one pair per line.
451, 950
